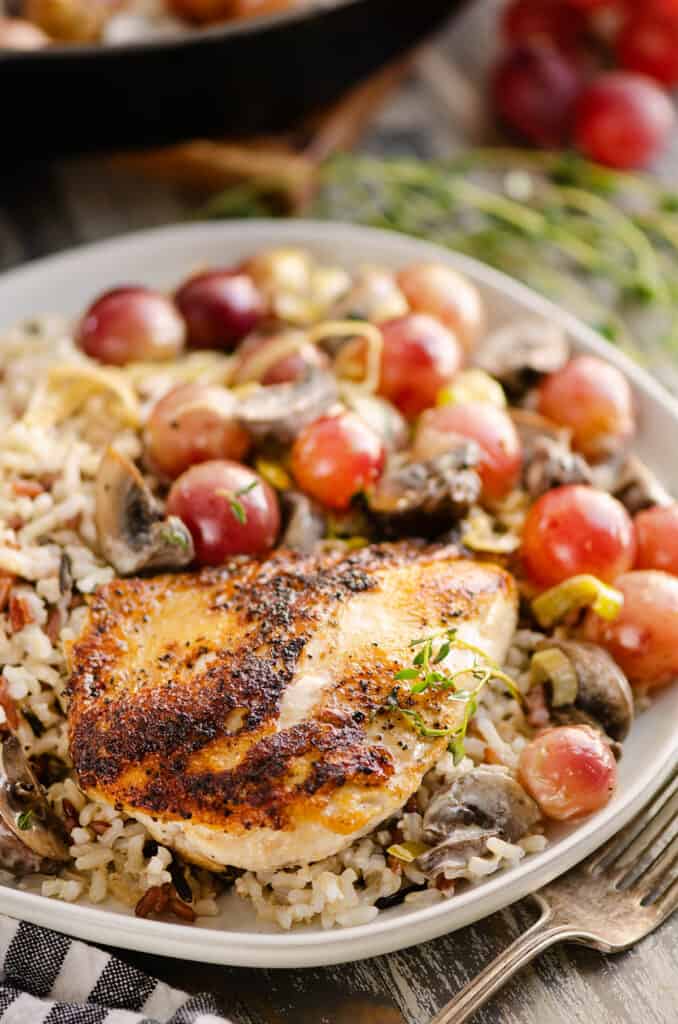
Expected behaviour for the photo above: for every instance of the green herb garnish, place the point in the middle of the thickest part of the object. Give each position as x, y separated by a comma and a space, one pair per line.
560, 224
237, 507
422, 676
175, 537
25, 820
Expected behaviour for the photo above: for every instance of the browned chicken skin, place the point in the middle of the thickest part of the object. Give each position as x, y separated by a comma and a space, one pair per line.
242, 713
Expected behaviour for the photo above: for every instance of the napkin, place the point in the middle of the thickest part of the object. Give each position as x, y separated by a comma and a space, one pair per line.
47, 978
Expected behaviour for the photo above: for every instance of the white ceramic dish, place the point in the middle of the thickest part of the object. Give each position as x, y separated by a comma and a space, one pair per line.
65, 284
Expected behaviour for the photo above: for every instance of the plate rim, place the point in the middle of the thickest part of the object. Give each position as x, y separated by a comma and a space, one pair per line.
384, 934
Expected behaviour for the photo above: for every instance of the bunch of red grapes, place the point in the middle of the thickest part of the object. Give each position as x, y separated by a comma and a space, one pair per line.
593, 73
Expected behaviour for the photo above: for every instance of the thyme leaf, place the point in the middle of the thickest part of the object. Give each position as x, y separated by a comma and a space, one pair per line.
25, 820
232, 497
423, 677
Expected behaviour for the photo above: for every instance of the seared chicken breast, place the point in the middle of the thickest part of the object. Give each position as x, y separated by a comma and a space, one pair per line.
246, 714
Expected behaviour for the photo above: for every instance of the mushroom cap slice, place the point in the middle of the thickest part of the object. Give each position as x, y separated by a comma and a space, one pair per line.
425, 497
378, 413
521, 352
305, 525
133, 533
487, 797
281, 411
31, 836
603, 691
552, 464
637, 487
454, 851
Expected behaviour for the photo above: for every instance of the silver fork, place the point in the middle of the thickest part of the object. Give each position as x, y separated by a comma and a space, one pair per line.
609, 902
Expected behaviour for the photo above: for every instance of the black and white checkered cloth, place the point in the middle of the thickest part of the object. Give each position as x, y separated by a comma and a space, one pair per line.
47, 978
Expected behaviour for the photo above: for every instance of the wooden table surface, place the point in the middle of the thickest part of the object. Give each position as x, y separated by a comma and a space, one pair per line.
54, 206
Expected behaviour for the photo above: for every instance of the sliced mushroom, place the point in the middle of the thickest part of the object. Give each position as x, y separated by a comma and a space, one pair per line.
282, 410
482, 803
133, 533
379, 414
551, 464
425, 497
31, 836
603, 695
636, 486
521, 352
374, 296
305, 523
454, 851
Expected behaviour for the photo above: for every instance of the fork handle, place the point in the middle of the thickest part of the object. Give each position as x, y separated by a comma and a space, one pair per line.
526, 947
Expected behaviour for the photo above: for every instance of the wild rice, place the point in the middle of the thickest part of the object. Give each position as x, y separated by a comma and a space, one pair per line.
49, 561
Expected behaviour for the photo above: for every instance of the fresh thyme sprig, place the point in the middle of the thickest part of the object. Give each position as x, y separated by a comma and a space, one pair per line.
423, 676
237, 507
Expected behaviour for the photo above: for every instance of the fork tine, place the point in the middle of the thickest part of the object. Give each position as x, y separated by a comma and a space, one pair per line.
608, 854
648, 836
650, 880
668, 901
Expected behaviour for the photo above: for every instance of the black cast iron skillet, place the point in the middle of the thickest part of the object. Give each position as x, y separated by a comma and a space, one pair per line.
237, 78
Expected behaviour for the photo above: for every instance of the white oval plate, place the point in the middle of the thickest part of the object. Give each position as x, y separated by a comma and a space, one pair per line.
65, 284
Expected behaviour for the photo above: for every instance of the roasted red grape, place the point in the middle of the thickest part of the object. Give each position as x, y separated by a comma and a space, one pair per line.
623, 120
448, 296
229, 509
131, 324
570, 771
220, 307
420, 357
594, 400
193, 423
490, 427
642, 640
336, 457
543, 21
576, 530
535, 90
657, 539
648, 44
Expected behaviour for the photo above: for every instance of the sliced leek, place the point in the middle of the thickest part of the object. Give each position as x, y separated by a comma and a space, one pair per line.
577, 592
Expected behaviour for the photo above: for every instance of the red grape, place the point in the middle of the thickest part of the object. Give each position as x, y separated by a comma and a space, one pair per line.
570, 771
535, 90
448, 296
336, 457
419, 358
642, 639
549, 21
131, 324
657, 539
220, 307
490, 427
193, 423
623, 120
229, 509
648, 43
287, 368
594, 400
593, 5
574, 530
